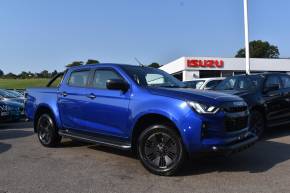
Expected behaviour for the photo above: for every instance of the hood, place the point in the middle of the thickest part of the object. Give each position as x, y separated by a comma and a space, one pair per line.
195, 95
17, 100
240, 93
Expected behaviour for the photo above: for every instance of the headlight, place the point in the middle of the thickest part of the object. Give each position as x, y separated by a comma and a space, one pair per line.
202, 108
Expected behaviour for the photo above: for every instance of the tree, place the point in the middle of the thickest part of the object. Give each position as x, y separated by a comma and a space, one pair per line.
154, 65
92, 61
10, 75
75, 63
260, 49
23, 75
54, 73
1, 73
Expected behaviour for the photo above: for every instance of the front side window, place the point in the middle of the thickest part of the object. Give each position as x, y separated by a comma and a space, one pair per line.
79, 78
285, 81
102, 76
272, 80
151, 77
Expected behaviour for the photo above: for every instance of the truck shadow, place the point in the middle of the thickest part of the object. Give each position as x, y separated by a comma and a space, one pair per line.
4, 147
263, 156
266, 154
14, 133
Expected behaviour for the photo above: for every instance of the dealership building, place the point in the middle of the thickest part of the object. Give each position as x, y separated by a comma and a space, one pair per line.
189, 68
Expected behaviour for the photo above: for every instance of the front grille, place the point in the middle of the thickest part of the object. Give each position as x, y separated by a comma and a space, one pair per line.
235, 109
235, 124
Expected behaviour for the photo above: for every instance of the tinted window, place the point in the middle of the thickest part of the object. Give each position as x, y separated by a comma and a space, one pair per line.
101, 77
227, 84
79, 78
145, 76
194, 84
285, 81
213, 83
244, 84
256, 80
272, 80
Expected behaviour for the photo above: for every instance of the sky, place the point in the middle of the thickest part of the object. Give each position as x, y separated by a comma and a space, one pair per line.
48, 34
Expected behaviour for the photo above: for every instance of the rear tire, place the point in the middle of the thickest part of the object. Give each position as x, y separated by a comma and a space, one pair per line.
257, 123
47, 131
161, 150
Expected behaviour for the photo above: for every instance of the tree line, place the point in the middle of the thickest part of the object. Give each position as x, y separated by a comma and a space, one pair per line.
258, 49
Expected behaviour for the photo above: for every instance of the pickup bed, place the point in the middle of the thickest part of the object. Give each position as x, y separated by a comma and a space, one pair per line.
141, 109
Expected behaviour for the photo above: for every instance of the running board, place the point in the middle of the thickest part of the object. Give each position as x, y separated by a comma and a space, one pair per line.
97, 140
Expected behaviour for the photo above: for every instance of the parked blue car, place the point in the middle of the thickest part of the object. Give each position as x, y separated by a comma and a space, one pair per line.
11, 111
141, 109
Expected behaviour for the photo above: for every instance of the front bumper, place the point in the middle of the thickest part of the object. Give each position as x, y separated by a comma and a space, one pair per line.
239, 144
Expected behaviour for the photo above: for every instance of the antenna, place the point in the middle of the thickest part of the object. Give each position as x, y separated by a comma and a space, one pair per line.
140, 64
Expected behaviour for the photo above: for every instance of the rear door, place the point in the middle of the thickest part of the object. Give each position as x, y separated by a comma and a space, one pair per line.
274, 100
107, 111
72, 99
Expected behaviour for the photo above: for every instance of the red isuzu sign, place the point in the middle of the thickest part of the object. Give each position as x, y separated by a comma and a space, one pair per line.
205, 63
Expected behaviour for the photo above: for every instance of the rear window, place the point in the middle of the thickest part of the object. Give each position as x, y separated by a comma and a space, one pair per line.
79, 78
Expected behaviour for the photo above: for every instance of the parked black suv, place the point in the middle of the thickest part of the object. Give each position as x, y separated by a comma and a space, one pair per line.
267, 95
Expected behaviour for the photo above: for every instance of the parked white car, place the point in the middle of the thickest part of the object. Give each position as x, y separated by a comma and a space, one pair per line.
204, 83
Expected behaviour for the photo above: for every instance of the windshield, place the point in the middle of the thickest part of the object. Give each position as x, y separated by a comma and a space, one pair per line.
241, 83
5, 94
194, 84
152, 77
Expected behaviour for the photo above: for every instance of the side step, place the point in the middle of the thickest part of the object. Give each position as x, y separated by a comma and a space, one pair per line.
101, 140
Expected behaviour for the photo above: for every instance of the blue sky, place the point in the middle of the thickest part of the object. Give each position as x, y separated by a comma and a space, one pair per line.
47, 34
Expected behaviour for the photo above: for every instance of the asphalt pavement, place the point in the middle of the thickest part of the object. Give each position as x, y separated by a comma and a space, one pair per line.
26, 166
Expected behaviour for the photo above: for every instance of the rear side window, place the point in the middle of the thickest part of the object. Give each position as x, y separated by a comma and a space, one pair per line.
79, 78
102, 76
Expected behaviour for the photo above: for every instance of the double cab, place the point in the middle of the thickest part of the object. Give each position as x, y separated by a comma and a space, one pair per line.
141, 109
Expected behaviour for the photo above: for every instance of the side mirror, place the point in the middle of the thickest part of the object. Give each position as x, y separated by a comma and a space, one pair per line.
117, 84
271, 87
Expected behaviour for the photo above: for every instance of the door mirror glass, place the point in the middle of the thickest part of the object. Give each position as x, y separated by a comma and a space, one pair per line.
117, 84
271, 87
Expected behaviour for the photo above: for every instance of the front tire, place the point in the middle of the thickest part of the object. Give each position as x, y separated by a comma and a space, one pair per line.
161, 150
257, 123
47, 131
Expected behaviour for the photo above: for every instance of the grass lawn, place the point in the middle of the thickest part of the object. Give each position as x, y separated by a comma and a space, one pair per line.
22, 83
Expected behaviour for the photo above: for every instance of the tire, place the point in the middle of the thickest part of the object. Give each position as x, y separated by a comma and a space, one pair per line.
161, 150
47, 131
257, 123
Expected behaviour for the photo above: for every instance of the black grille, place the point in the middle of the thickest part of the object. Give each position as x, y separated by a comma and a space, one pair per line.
235, 124
236, 109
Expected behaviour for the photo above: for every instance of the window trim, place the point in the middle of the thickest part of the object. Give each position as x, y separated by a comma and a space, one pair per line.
80, 70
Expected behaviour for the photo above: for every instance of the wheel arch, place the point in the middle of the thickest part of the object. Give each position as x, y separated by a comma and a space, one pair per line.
41, 109
148, 119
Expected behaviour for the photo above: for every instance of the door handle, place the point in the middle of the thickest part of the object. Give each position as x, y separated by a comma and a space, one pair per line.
92, 96
64, 94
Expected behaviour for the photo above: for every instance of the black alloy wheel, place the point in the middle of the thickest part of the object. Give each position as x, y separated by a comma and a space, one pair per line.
161, 150
257, 123
47, 132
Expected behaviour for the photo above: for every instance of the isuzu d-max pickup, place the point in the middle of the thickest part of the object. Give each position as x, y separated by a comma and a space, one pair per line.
141, 109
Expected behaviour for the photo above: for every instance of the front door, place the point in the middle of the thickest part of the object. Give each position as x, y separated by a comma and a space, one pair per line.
107, 110
274, 101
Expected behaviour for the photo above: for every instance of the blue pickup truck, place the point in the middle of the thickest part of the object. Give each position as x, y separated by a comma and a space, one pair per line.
141, 109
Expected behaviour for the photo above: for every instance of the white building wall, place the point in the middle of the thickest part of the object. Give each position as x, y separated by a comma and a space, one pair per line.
230, 64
